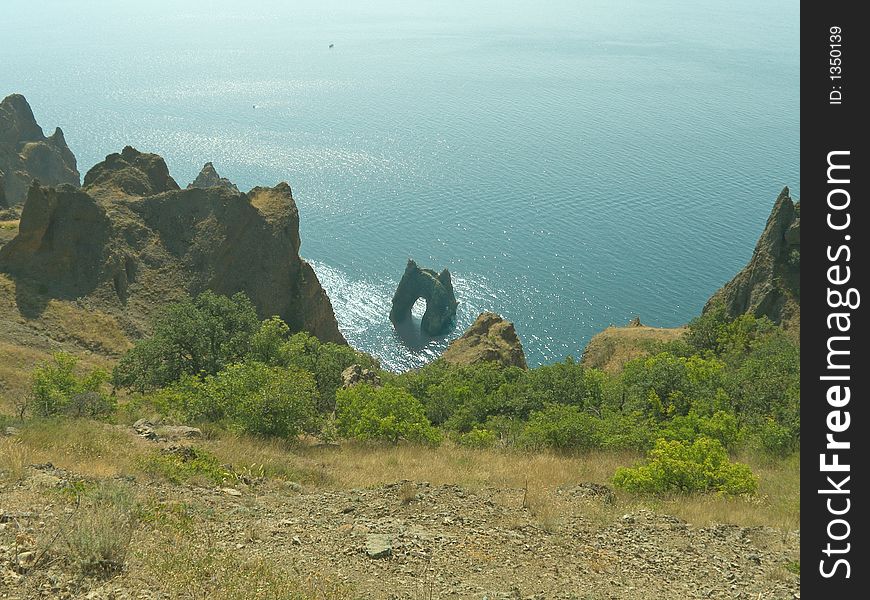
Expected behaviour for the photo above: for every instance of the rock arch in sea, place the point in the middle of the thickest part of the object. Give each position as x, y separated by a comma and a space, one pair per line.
436, 289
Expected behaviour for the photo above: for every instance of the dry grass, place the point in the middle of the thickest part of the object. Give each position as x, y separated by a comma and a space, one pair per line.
192, 566
62, 325
101, 450
16, 364
89, 328
85, 447
267, 458
14, 459
610, 349
358, 465
10, 225
98, 538
408, 492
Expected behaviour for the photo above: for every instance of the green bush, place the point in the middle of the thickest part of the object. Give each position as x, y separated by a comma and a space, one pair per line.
775, 439
197, 336
478, 438
262, 400
721, 426
561, 427
273, 345
387, 413
185, 464
627, 431
248, 397
665, 385
57, 389
699, 466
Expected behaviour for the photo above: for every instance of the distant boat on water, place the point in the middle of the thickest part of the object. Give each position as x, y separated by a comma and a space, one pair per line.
332, 45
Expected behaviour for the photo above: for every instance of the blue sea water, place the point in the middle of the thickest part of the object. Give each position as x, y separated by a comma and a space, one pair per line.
573, 163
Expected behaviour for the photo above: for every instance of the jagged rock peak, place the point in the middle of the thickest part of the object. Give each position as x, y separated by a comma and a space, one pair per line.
490, 338
208, 177
130, 173
770, 284
26, 154
17, 123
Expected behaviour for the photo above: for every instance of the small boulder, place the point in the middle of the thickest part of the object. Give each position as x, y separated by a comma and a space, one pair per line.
379, 545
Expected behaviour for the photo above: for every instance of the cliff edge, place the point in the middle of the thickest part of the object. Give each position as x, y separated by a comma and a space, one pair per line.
770, 284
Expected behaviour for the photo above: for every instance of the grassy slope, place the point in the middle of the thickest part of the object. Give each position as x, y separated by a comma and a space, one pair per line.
610, 349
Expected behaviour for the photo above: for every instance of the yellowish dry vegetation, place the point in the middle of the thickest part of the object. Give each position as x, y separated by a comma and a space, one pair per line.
24, 343
89, 328
188, 565
610, 349
102, 450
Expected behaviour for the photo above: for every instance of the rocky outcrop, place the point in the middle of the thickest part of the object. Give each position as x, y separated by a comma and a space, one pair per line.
27, 155
130, 173
208, 178
64, 241
489, 339
356, 374
436, 289
770, 284
130, 241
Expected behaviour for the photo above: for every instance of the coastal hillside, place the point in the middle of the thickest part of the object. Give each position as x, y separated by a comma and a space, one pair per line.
182, 418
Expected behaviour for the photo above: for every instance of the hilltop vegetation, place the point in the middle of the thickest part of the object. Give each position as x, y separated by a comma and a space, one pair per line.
728, 385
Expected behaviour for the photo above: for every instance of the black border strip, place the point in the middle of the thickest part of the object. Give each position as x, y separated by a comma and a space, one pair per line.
832, 121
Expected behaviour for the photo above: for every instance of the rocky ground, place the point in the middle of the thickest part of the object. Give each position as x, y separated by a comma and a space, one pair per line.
408, 539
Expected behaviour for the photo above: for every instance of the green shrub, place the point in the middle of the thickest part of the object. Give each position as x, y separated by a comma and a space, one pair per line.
775, 439
197, 336
665, 385
184, 464
58, 390
721, 426
507, 430
478, 438
387, 413
631, 431
675, 466
255, 398
561, 427
274, 345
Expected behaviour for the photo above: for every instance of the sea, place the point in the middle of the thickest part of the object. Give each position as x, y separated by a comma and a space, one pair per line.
573, 163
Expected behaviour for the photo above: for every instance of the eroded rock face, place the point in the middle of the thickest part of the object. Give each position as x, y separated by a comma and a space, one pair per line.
489, 339
27, 155
208, 178
129, 173
770, 284
64, 240
436, 289
131, 241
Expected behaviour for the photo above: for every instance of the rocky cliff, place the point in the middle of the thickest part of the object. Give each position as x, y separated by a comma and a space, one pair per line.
131, 240
489, 339
26, 154
770, 284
